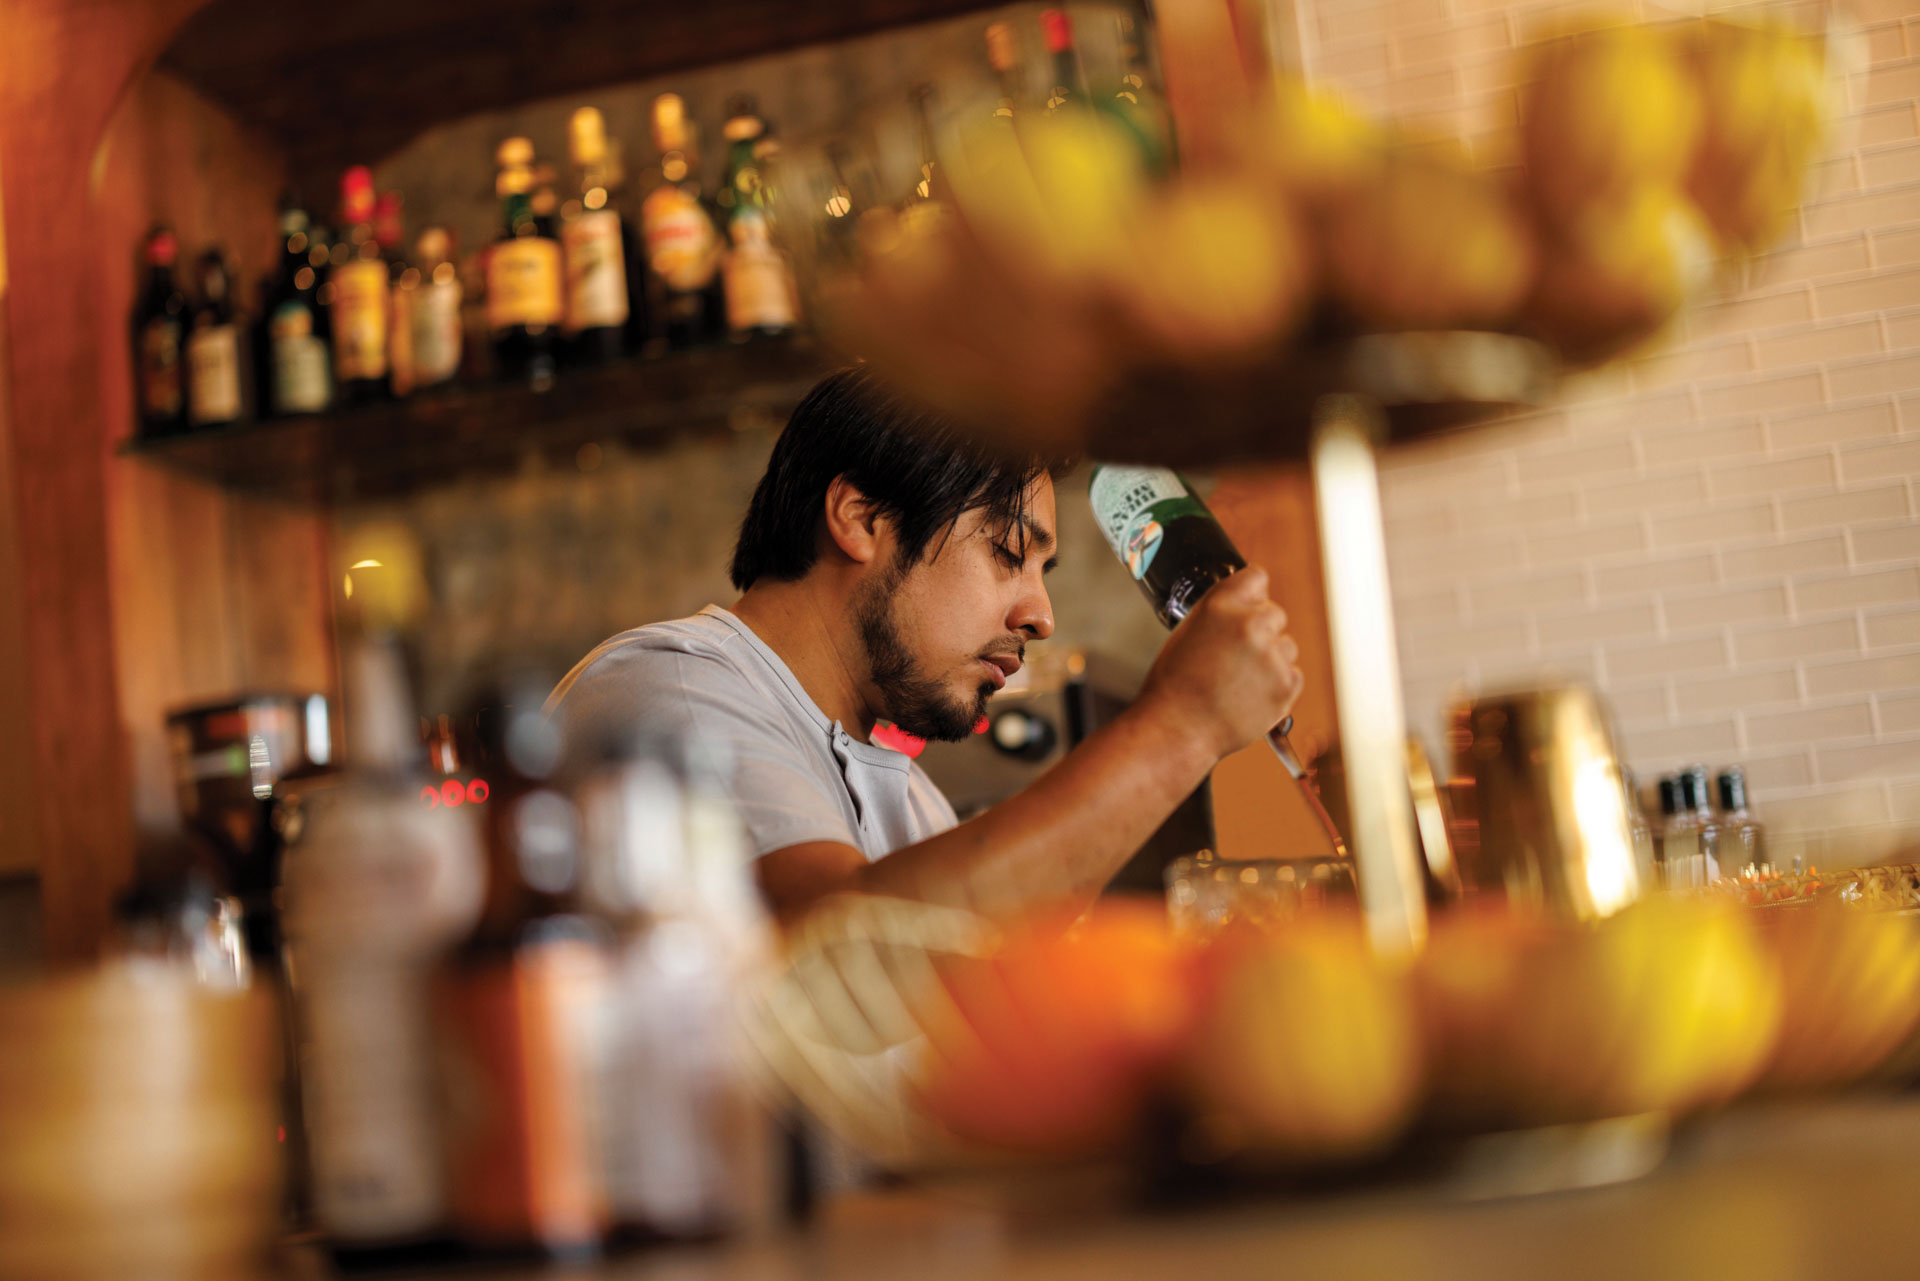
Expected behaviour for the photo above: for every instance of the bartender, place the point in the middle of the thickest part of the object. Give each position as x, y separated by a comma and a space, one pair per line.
891, 570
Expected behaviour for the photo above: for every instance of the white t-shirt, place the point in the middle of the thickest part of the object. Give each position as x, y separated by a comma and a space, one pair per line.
796, 776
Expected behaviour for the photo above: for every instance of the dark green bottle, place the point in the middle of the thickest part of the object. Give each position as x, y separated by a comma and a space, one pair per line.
1163, 534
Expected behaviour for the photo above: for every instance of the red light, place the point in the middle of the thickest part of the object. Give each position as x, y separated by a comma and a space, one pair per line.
980, 726
477, 790
452, 793
899, 740
280, 1134
431, 795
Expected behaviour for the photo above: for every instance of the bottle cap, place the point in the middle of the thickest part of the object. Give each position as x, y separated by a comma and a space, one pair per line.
1000, 47
514, 153
1733, 789
1669, 797
587, 137
1058, 29
386, 220
434, 246
669, 122
162, 249
356, 194
1693, 787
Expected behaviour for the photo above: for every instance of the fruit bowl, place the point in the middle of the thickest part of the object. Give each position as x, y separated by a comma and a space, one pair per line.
1043, 275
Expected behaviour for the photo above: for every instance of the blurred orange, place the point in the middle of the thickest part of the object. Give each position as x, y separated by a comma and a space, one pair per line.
1061, 1035
1767, 104
1669, 1005
1851, 979
1606, 111
1426, 243
1307, 1047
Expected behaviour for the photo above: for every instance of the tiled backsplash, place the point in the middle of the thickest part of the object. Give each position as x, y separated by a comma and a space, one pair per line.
1722, 535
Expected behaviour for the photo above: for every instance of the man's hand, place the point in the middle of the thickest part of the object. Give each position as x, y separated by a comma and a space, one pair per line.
1229, 669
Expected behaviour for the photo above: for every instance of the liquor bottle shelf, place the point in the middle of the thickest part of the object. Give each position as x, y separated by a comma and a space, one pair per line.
396, 447
373, 75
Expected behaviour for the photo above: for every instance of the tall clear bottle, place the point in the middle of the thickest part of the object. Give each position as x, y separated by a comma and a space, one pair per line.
596, 241
685, 300
376, 887
1744, 840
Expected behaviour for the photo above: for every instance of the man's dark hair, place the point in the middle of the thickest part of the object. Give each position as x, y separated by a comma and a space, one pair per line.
916, 467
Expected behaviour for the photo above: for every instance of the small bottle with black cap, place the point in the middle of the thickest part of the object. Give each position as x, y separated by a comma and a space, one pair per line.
1696, 796
1743, 839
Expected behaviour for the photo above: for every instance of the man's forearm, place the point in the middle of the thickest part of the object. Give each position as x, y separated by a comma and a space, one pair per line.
1059, 841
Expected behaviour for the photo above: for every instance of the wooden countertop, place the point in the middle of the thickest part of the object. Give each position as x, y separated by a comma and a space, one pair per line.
1788, 1192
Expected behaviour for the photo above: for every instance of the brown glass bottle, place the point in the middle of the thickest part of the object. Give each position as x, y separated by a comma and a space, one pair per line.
1164, 534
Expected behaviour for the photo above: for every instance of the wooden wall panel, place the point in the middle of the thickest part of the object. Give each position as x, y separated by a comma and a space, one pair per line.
1258, 811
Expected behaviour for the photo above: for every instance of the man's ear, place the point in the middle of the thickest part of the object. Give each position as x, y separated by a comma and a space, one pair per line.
852, 524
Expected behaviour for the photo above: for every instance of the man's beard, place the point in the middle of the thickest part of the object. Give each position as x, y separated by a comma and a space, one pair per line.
916, 703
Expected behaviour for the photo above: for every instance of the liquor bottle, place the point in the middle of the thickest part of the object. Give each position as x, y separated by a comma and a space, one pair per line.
218, 369
377, 886
1067, 91
298, 370
689, 1153
1137, 105
525, 303
758, 282
596, 240
924, 206
1164, 534
1003, 56
389, 230
1674, 837
1745, 840
159, 336
436, 298
683, 248
1697, 794
1646, 858
360, 296
522, 1006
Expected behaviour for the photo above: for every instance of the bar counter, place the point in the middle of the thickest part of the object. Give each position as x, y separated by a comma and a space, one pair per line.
1788, 1191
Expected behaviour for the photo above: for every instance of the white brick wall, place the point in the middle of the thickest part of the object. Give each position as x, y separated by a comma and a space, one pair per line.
1724, 535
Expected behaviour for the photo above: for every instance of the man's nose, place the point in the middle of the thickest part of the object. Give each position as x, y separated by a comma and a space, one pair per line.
1033, 613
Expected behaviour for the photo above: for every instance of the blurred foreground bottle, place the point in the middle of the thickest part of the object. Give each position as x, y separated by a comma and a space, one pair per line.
219, 372
1743, 843
159, 339
360, 297
758, 282
1003, 56
403, 281
690, 1152
1136, 104
298, 369
683, 249
525, 302
376, 888
596, 240
522, 1006
1164, 534
924, 207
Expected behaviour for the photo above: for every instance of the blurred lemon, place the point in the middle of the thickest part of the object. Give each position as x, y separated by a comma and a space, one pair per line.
1220, 272
1666, 1006
1055, 198
1605, 111
1306, 1048
1617, 272
1767, 103
1312, 141
1427, 244
1060, 1037
1852, 984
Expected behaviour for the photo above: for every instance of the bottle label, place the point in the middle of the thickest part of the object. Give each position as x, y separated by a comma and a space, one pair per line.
759, 287
360, 319
299, 360
523, 283
213, 372
596, 271
160, 383
1134, 506
682, 248
436, 332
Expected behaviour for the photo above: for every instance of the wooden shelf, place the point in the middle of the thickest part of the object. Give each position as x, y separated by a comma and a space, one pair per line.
394, 448
353, 80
